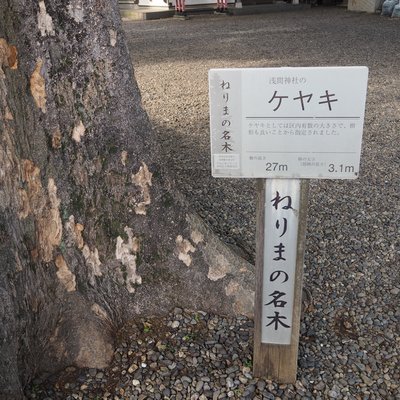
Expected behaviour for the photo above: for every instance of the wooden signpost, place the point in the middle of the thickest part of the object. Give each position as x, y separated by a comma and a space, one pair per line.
284, 126
273, 358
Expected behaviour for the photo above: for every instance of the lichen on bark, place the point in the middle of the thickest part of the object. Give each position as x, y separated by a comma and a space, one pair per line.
38, 86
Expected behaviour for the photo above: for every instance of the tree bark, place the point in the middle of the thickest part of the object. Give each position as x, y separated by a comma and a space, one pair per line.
91, 231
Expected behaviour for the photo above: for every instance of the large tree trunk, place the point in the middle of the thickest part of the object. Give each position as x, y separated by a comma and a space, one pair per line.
91, 233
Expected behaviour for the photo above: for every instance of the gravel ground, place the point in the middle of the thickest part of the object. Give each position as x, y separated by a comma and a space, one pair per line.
350, 343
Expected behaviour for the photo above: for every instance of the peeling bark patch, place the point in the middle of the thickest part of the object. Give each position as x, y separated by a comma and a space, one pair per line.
44, 207
92, 258
126, 252
8, 56
4, 50
92, 261
50, 225
25, 208
196, 237
13, 57
113, 37
124, 157
244, 299
8, 116
219, 269
66, 277
31, 176
143, 180
38, 86
78, 131
52, 189
232, 288
10, 169
76, 231
31, 199
18, 264
184, 247
100, 312
75, 10
45, 22
56, 139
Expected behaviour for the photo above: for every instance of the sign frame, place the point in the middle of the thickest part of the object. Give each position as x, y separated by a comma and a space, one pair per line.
298, 130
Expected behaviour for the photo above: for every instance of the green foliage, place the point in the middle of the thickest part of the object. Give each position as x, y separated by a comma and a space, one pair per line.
248, 364
146, 327
190, 337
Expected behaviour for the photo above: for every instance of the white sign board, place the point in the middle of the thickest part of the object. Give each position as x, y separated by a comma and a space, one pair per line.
287, 122
282, 202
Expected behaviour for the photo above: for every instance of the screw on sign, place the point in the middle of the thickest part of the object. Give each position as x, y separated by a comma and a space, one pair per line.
284, 126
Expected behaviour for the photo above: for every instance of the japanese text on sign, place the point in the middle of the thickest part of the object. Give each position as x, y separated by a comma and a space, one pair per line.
280, 244
226, 130
327, 98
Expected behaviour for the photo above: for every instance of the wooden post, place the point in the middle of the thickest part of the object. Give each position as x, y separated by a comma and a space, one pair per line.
275, 361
